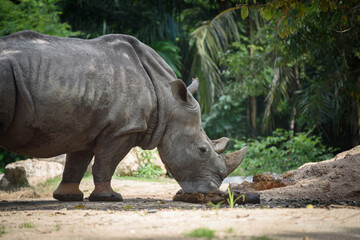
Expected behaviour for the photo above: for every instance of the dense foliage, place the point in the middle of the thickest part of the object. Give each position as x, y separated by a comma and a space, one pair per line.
38, 15
280, 152
262, 65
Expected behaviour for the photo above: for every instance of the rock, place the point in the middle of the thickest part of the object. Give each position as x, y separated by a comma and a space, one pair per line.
4, 183
129, 165
31, 172
260, 182
135, 159
59, 159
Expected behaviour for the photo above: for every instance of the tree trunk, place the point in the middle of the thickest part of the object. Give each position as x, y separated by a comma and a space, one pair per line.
252, 99
292, 117
356, 139
293, 106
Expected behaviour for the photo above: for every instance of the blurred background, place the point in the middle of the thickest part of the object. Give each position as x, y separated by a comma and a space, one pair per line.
282, 77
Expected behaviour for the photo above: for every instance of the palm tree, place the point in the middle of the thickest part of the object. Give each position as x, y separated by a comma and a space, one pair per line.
207, 42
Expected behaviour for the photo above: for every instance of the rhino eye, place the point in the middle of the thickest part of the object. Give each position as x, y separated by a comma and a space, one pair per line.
202, 149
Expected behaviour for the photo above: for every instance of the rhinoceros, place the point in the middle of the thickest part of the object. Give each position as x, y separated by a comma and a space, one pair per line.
100, 98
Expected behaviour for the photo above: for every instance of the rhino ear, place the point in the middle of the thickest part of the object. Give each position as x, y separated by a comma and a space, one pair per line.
179, 90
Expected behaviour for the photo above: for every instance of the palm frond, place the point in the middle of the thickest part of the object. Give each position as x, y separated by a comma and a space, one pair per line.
281, 88
161, 27
169, 51
209, 40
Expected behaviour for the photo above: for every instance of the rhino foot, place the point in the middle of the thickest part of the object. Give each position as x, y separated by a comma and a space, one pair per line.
68, 197
106, 197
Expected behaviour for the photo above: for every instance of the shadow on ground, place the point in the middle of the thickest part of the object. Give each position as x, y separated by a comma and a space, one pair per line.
131, 204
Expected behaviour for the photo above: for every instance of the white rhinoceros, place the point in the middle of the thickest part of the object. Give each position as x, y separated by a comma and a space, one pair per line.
101, 97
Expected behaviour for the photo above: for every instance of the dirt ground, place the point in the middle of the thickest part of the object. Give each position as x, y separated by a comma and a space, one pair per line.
148, 212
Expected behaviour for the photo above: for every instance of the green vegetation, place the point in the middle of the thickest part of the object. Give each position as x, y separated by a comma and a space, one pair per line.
49, 186
143, 179
202, 233
232, 200
291, 70
27, 225
38, 15
262, 238
51, 182
2, 230
8, 157
215, 206
149, 169
57, 227
280, 152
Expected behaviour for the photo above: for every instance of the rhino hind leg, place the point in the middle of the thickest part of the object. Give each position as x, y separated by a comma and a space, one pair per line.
106, 161
75, 167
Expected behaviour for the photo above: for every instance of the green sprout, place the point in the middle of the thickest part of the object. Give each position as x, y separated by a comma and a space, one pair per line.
231, 201
202, 233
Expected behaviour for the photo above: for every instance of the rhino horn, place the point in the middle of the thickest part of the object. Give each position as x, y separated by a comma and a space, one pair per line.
233, 160
193, 86
220, 144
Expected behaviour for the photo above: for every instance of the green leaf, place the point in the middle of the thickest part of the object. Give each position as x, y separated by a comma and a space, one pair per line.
286, 30
301, 9
336, 17
324, 4
267, 13
244, 12
79, 206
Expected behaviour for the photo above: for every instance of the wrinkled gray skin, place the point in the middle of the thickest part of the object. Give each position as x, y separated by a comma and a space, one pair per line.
102, 97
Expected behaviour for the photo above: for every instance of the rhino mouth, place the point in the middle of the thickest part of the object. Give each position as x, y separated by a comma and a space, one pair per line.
200, 186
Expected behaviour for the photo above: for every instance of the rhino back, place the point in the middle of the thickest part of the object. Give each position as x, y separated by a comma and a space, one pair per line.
69, 91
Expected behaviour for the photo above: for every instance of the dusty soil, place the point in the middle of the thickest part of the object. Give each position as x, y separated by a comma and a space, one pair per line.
148, 212
321, 202
334, 179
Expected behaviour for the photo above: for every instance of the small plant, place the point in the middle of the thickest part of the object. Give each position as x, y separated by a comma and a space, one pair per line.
2, 230
51, 182
216, 206
261, 238
231, 201
229, 230
49, 185
57, 227
27, 225
149, 169
87, 174
202, 233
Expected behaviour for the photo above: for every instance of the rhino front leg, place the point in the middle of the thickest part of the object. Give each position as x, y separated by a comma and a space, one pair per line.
75, 167
106, 161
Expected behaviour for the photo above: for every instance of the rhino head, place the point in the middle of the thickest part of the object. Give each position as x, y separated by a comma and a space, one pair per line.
196, 162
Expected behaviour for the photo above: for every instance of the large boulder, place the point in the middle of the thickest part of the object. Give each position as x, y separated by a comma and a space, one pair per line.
129, 165
30, 172
135, 159
59, 159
